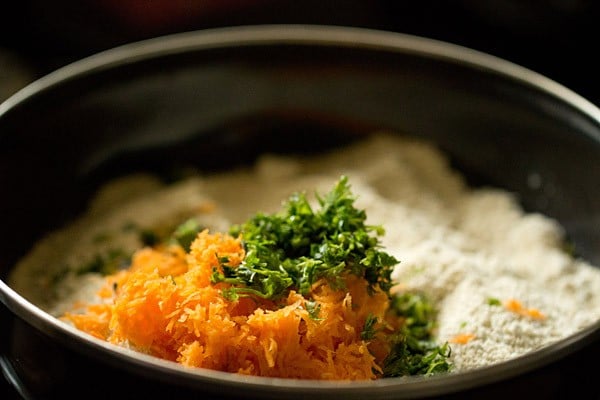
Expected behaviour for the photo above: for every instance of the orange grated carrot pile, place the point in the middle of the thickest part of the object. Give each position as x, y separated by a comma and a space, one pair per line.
165, 305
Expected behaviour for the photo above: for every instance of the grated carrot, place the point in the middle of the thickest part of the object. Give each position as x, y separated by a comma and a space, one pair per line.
462, 338
518, 308
166, 306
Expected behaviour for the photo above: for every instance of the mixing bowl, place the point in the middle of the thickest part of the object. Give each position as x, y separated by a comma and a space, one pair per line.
218, 98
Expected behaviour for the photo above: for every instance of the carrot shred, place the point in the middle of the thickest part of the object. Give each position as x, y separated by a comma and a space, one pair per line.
165, 305
462, 338
518, 308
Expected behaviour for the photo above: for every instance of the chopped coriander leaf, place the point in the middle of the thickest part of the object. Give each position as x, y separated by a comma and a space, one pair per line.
106, 263
186, 232
493, 301
313, 309
413, 350
183, 234
298, 246
149, 238
569, 248
410, 356
369, 330
418, 312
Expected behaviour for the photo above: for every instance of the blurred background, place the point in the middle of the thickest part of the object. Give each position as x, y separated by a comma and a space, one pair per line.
557, 38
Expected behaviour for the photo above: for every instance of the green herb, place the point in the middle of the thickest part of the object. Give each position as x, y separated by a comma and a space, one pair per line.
410, 356
418, 313
313, 309
568, 247
185, 233
413, 350
493, 301
106, 263
369, 330
296, 247
149, 237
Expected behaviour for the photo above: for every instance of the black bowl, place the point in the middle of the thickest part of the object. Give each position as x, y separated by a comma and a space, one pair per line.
189, 98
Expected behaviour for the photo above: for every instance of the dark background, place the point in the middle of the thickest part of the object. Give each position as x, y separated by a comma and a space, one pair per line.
557, 38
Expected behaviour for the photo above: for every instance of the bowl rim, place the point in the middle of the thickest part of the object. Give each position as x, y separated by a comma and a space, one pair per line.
306, 34
320, 35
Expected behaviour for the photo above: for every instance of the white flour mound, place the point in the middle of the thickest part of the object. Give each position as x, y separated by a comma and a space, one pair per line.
460, 246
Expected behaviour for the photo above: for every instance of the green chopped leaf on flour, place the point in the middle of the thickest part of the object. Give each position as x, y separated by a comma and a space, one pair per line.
298, 246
